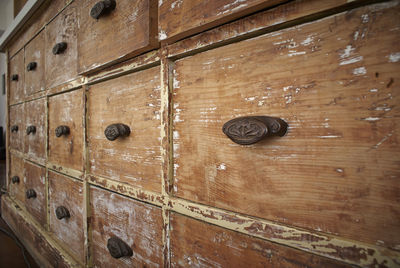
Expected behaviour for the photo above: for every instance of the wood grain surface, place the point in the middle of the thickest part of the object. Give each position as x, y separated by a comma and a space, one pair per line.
35, 143
34, 52
17, 87
16, 118
35, 178
17, 190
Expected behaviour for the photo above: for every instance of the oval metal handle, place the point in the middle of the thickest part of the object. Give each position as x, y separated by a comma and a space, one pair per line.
14, 77
62, 212
15, 179
30, 129
31, 66
112, 132
118, 248
14, 128
30, 193
251, 129
62, 130
59, 48
102, 8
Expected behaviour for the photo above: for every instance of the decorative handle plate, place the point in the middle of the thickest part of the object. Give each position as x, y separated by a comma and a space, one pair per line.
102, 8
30, 193
15, 179
251, 129
112, 132
118, 248
62, 130
14, 128
30, 129
59, 48
62, 212
14, 77
31, 66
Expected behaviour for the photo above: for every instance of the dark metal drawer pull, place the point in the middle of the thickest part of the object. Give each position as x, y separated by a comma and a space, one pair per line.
31, 66
118, 248
102, 8
30, 129
59, 48
112, 132
62, 130
252, 129
62, 212
15, 179
14, 77
30, 194
14, 128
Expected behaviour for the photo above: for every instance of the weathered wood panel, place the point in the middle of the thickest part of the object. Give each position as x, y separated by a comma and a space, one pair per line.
17, 86
17, 190
334, 82
133, 100
35, 178
35, 143
16, 119
34, 53
139, 225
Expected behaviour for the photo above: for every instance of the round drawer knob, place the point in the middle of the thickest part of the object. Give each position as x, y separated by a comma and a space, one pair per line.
15, 179
112, 132
14, 77
30, 129
59, 48
30, 193
62, 212
14, 128
62, 130
102, 8
118, 248
251, 129
31, 66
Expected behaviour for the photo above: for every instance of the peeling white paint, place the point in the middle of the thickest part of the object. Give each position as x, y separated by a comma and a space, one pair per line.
373, 90
162, 35
352, 60
222, 166
347, 52
394, 57
360, 71
371, 119
364, 18
295, 53
329, 137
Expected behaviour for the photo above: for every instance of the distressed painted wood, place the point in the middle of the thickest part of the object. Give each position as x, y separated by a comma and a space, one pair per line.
17, 190
133, 100
17, 86
137, 224
66, 110
67, 192
16, 118
35, 143
334, 82
35, 52
129, 30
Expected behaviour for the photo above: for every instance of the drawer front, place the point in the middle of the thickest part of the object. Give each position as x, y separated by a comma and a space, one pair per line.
66, 213
198, 244
17, 127
35, 65
127, 30
16, 179
16, 78
66, 129
132, 100
138, 225
35, 191
35, 129
334, 82
61, 48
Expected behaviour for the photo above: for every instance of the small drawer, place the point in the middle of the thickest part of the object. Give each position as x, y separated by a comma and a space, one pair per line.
120, 224
16, 78
61, 47
35, 129
66, 213
17, 179
35, 65
114, 30
35, 191
124, 129
66, 129
17, 127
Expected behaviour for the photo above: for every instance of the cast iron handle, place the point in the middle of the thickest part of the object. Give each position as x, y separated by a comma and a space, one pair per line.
118, 248
62, 130
15, 179
251, 129
30, 193
102, 8
31, 66
30, 129
112, 132
59, 48
14, 77
14, 128
62, 212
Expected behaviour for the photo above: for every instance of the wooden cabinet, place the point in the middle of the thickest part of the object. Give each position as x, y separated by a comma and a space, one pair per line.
35, 191
35, 129
35, 65
16, 78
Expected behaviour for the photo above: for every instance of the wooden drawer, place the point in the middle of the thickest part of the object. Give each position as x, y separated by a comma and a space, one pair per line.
132, 100
16, 179
35, 129
17, 127
35, 65
35, 191
66, 129
17, 72
66, 213
137, 224
61, 48
334, 82
128, 30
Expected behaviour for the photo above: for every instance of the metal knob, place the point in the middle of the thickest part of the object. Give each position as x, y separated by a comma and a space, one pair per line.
30, 193
59, 48
251, 129
14, 128
62, 212
15, 179
30, 129
31, 66
62, 130
102, 8
112, 132
14, 77
118, 248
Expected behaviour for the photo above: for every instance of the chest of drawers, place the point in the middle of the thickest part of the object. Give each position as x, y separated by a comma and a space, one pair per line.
206, 134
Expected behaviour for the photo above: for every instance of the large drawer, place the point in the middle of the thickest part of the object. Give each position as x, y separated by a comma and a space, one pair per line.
17, 127
35, 65
35, 129
35, 191
134, 101
17, 179
335, 83
16, 78
121, 223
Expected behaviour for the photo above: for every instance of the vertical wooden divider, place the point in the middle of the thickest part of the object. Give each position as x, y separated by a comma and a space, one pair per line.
86, 194
47, 134
8, 155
